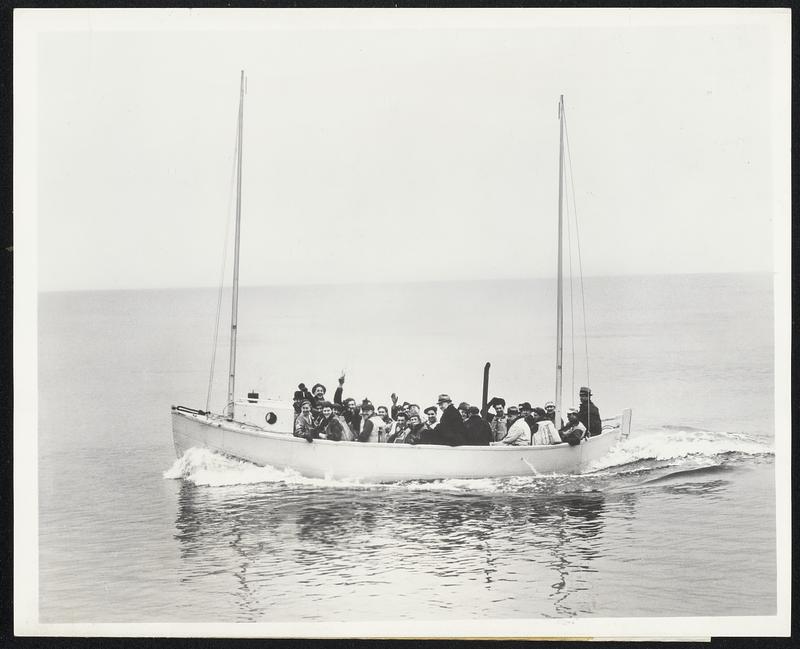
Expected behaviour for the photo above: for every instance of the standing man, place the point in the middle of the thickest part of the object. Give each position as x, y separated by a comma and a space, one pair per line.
588, 414
451, 429
463, 410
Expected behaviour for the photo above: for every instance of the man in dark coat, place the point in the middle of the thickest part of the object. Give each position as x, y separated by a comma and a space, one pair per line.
588, 414
451, 429
478, 431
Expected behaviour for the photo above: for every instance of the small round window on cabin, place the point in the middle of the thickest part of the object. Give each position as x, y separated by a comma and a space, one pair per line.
271, 418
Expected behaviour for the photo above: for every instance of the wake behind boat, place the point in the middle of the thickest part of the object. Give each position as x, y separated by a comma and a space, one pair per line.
261, 430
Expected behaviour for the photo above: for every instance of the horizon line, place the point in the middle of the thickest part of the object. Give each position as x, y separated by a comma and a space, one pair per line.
398, 281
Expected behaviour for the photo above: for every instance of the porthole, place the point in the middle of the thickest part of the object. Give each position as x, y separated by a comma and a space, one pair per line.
271, 418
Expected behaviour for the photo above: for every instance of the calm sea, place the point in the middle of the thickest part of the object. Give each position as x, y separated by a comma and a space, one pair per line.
678, 521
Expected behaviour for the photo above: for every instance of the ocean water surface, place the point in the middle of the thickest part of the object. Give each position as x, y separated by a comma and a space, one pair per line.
677, 521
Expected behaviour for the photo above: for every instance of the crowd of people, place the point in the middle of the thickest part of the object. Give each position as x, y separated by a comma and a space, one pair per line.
465, 424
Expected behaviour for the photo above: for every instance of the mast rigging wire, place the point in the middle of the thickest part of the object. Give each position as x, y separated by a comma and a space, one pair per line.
580, 262
215, 340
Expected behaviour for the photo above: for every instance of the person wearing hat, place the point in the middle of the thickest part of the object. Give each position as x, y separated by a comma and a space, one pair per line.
550, 411
372, 426
318, 391
573, 431
450, 430
588, 414
463, 410
513, 415
304, 423
430, 422
415, 428
542, 430
478, 431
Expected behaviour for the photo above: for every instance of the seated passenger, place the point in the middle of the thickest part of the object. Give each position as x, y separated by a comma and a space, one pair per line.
519, 434
513, 415
304, 423
479, 433
550, 411
499, 420
430, 418
372, 426
573, 431
347, 432
545, 432
463, 410
398, 428
328, 427
414, 434
383, 413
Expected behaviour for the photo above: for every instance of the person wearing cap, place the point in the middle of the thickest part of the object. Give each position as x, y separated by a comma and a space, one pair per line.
372, 426
450, 430
304, 423
588, 414
463, 410
542, 430
519, 434
430, 419
478, 431
513, 415
550, 411
573, 431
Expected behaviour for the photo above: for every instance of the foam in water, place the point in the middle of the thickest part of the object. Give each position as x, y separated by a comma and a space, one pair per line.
691, 449
679, 446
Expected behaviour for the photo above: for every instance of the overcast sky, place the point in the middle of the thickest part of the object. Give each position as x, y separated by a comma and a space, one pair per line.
386, 147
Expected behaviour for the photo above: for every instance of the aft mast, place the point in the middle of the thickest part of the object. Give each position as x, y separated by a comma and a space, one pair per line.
235, 292
560, 299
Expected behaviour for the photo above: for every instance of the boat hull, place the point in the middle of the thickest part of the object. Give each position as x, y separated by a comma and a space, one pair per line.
381, 462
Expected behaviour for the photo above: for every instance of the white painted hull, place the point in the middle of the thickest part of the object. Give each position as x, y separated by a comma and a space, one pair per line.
383, 462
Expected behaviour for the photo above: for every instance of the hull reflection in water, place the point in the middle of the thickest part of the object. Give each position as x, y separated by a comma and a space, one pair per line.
390, 553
